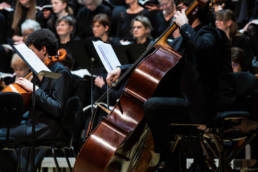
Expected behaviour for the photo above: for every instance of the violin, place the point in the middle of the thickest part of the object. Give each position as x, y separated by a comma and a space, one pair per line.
18, 89
61, 55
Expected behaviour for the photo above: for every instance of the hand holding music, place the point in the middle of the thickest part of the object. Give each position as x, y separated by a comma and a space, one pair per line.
180, 18
25, 83
113, 76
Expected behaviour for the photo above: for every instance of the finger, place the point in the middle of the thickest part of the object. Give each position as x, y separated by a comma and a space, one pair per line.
183, 11
20, 83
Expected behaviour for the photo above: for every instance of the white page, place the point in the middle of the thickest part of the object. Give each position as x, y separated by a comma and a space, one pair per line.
82, 72
107, 55
33, 61
31, 58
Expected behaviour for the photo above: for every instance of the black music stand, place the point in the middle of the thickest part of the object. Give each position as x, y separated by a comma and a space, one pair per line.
89, 126
38, 68
110, 61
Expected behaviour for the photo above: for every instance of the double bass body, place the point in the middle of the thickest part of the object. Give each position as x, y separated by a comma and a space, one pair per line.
119, 130
122, 130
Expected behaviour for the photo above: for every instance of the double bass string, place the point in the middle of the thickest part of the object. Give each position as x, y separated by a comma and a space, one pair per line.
128, 71
160, 41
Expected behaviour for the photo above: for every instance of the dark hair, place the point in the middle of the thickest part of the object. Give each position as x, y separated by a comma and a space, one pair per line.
102, 19
203, 12
43, 37
252, 32
238, 56
227, 15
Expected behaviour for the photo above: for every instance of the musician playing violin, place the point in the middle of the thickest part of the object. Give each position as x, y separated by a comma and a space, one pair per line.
20, 70
196, 90
50, 97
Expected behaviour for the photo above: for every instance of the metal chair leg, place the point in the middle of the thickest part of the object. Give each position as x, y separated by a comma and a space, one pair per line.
68, 161
55, 159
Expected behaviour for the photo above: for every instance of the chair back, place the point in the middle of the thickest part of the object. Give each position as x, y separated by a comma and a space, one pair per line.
81, 88
70, 112
245, 87
11, 109
245, 83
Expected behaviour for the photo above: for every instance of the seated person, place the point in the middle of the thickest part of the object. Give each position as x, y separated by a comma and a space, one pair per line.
121, 22
19, 67
50, 97
141, 30
238, 59
60, 8
23, 10
225, 20
195, 93
85, 15
101, 28
29, 26
65, 29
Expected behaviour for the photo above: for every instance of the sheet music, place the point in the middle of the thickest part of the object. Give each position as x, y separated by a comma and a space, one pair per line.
107, 55
3, 75
82, 73
33, 61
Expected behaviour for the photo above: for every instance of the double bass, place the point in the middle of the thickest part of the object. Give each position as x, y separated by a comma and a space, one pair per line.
121, 136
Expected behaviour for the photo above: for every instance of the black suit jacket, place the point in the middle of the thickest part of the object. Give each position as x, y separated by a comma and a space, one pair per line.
205, 78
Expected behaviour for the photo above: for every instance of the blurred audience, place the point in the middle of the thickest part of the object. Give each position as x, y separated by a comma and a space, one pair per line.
225, 20
85, 16
25, 9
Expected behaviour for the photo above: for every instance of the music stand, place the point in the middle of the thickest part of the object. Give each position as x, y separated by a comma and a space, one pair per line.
38, 68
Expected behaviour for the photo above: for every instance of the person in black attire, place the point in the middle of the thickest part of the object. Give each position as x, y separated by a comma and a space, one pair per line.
120, 26
50, 96
60, 8
101, 28
161, 16
65, 27
199, 76
23, 10
85, 16
225, 20
45, 15
206, 61
141, 30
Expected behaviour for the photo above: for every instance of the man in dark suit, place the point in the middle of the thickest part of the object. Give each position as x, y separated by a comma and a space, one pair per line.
50, 96
200, 86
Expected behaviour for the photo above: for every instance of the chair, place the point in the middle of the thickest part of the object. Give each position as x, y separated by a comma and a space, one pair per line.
68, 124
221, 141
71, 116
11, 110
71, 124
62, 145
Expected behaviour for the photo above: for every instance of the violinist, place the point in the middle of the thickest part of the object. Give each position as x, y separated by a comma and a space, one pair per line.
20, 70
50, 97
19, 66
205, 61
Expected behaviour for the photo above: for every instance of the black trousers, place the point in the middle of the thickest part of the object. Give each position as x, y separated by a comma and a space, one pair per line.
159, 113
